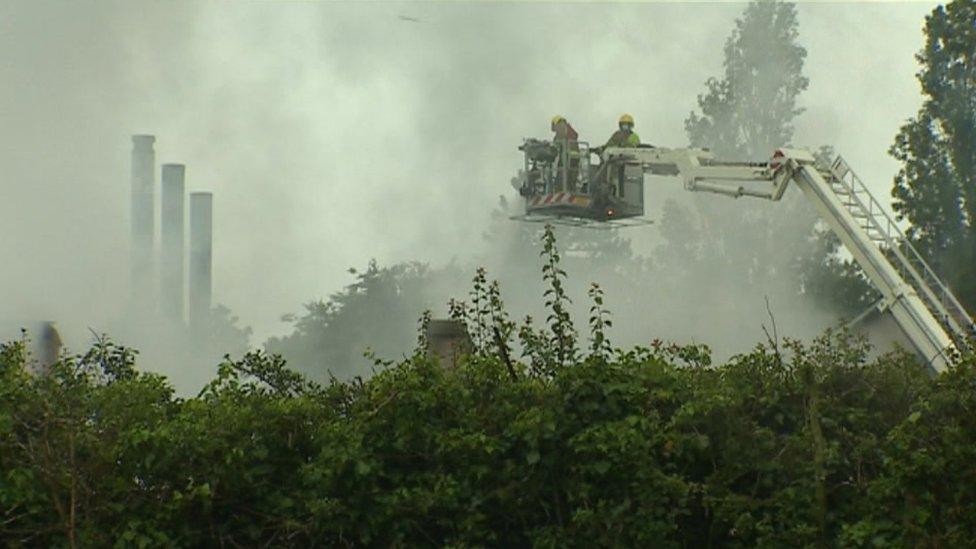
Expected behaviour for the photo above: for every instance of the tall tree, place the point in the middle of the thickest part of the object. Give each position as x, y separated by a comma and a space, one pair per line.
935, 190
771, 250
744, 116
750, 111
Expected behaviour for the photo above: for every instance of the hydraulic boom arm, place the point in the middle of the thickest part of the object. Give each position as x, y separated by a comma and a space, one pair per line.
931, 317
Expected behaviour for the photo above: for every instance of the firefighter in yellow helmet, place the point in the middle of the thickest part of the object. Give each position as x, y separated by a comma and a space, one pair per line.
625, 136
567, 140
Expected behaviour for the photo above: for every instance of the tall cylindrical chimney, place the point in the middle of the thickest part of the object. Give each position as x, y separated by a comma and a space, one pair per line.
171, 241
143, 218
201, 255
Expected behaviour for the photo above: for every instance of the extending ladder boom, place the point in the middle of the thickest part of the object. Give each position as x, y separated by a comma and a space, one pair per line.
922, 305
884, 232
859, 235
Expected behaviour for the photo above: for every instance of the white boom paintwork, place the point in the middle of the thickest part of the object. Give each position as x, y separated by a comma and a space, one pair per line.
931, 317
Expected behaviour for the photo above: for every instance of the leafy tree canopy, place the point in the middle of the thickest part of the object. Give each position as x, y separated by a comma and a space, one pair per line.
935, 190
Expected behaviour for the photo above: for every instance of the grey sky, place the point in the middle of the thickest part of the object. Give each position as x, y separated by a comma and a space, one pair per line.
334, 133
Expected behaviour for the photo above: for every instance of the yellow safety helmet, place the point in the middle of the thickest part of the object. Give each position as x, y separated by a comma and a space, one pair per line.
626, 119
557, 119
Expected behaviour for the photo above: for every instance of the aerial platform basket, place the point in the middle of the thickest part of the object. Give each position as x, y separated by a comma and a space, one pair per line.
562, 185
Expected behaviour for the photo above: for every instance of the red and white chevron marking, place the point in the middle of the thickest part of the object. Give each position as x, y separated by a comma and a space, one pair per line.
559, 199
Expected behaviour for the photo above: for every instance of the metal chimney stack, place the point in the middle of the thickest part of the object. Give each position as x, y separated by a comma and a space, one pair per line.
171, 241
201, 256
143, 217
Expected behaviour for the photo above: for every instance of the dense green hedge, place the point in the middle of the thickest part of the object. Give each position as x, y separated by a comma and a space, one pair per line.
651, 448
790, 445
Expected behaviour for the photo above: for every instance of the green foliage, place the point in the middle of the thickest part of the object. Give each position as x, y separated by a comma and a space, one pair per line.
371, 315
750, 111
934, 441
935, 190
804, 445
599, 322
745, 116
563, 338
220, 331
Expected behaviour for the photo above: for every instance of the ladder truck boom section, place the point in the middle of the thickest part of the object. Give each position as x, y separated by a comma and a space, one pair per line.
921, 304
